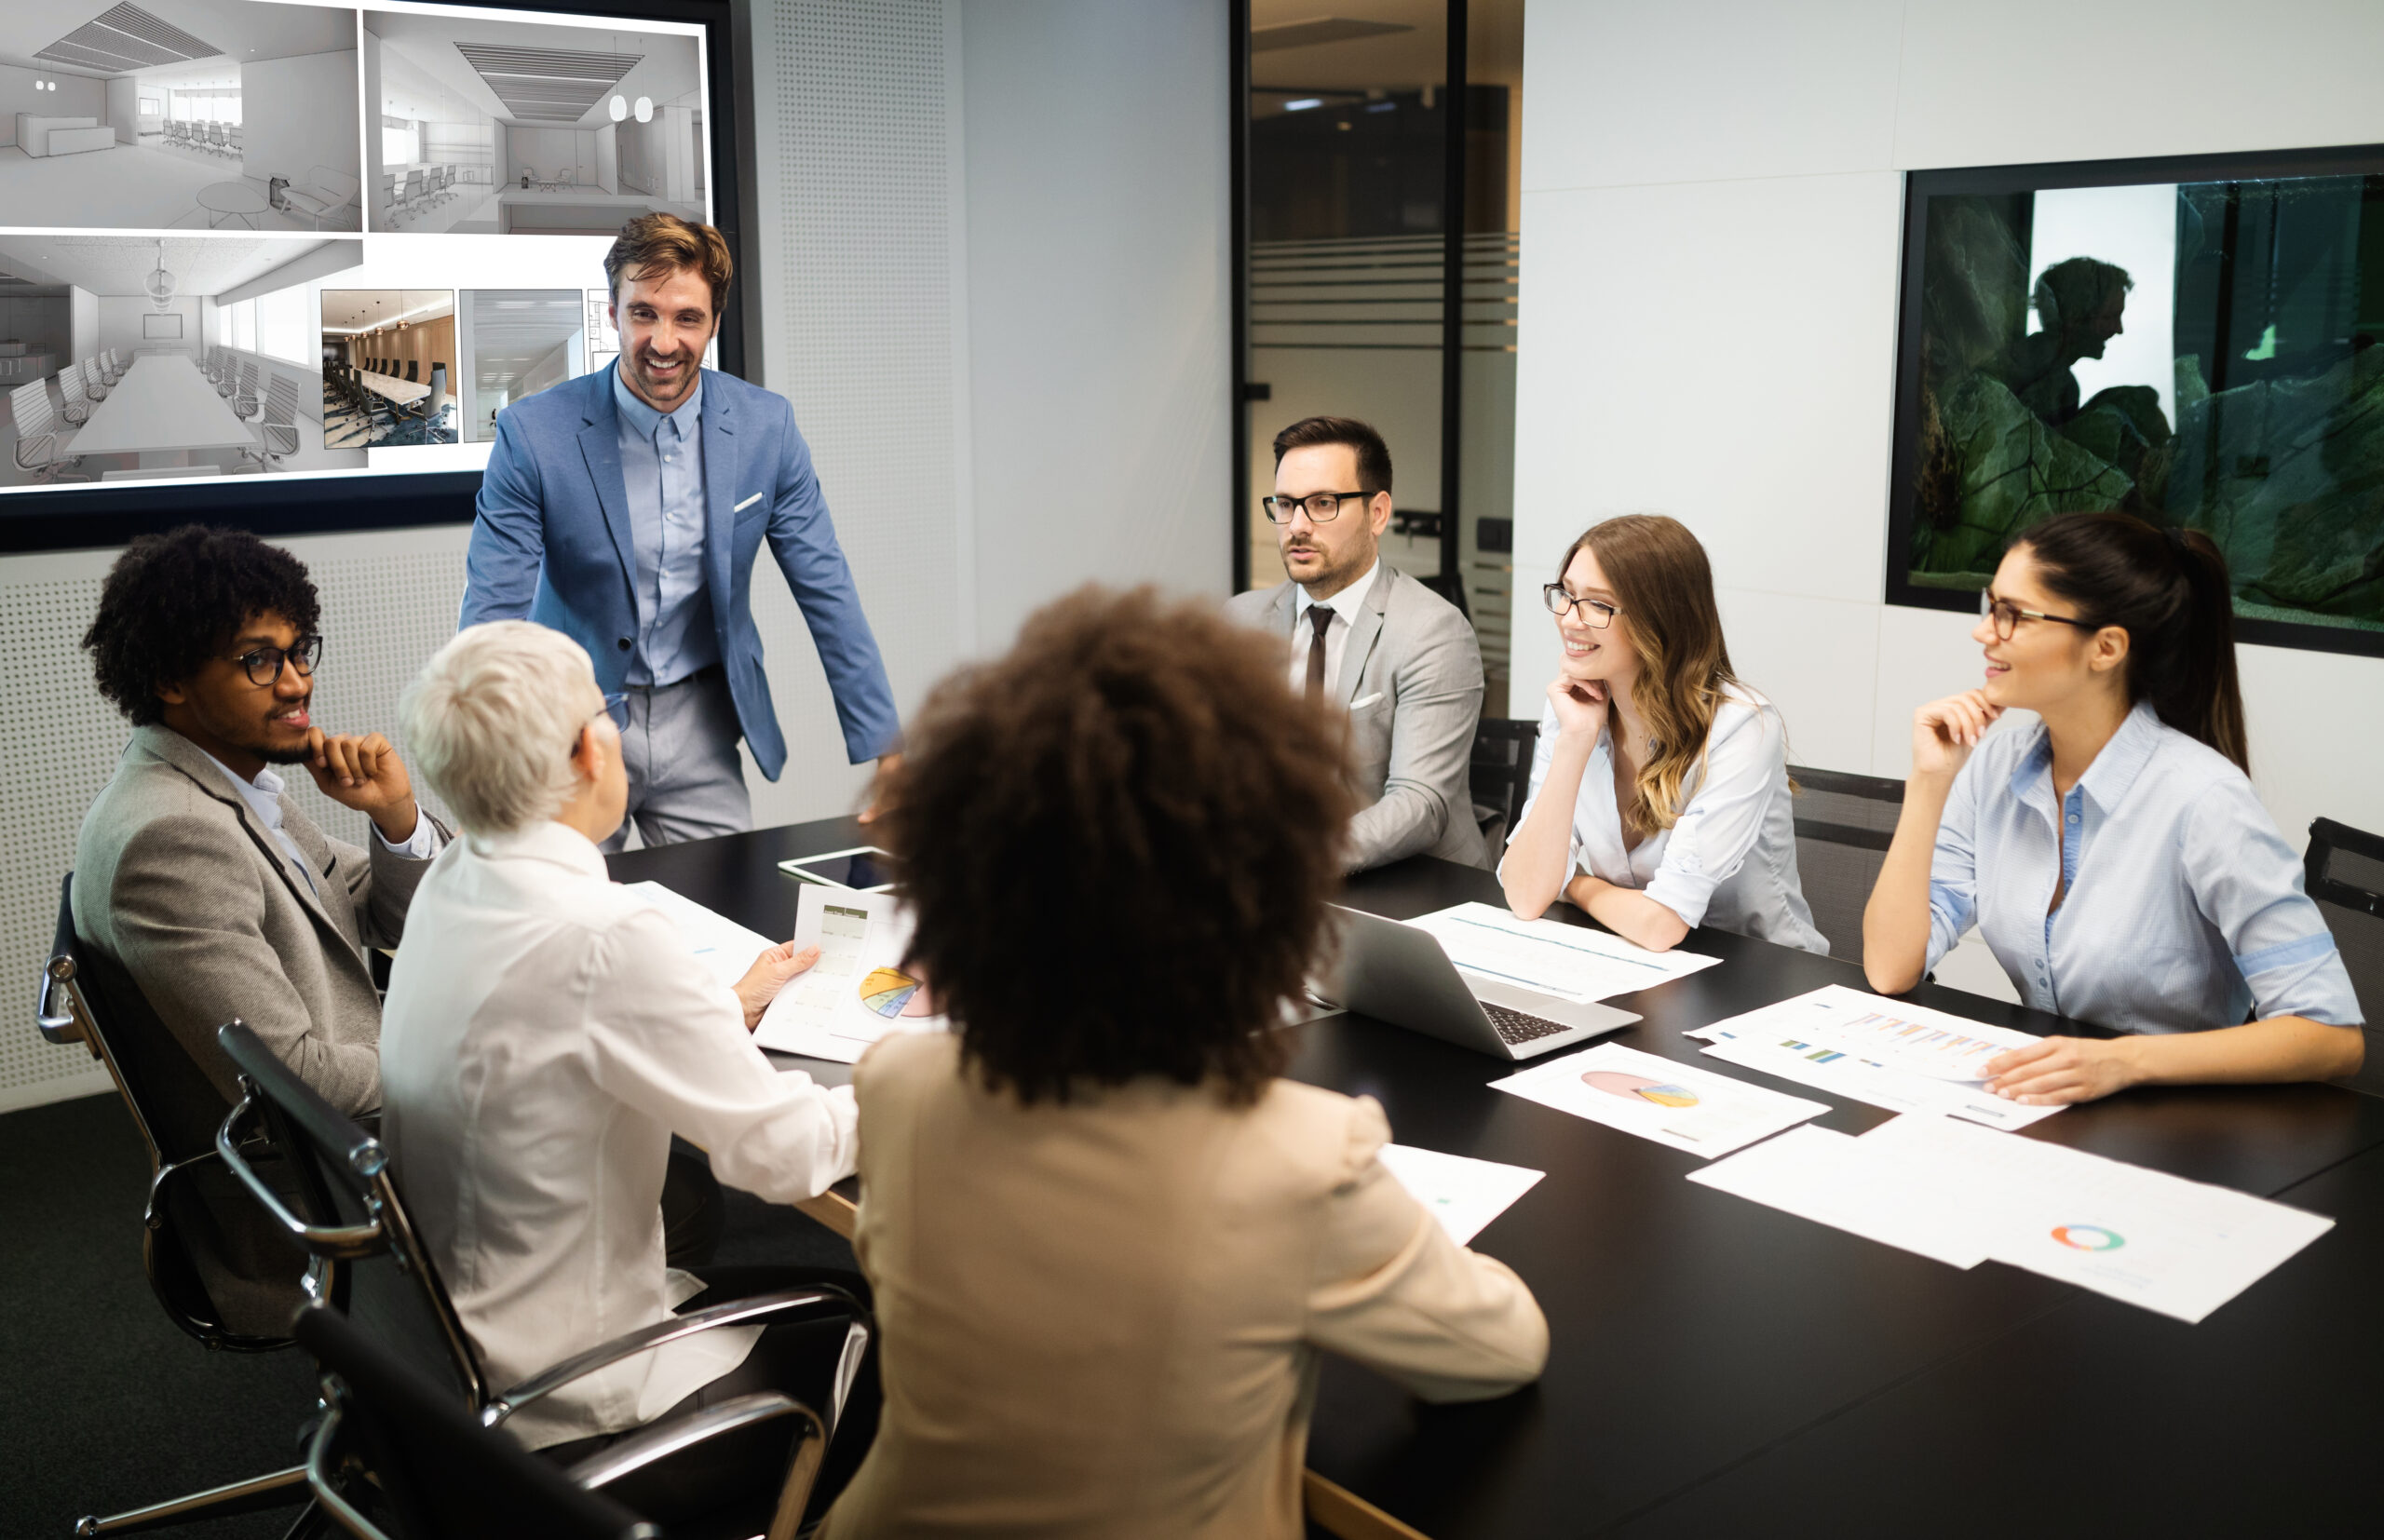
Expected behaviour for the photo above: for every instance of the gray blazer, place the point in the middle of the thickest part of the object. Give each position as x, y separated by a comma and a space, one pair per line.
1411, 680
177, 881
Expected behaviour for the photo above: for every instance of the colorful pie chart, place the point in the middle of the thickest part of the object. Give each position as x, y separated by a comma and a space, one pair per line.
891, 991
1638, 1087
2088, 1238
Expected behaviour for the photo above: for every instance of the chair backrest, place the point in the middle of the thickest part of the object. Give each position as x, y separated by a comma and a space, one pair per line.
281, 399
219, 1269
413, 372
2344, 872
248, 377
29, 404
435, 402
435, 1465
69, 385
93, 374
348, 1213
1844, 825
1500, 775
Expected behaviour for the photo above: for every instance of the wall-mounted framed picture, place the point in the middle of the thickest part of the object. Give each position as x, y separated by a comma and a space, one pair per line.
162, 329
2190, 339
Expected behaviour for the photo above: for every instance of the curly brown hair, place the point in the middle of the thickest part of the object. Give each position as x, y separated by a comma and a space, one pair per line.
1119, 839
172, 601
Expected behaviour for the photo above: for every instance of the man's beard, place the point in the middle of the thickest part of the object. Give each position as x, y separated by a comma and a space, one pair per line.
299, 755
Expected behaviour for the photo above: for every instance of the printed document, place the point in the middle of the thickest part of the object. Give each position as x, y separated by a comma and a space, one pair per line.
1570, 962
1463, 1194
1905, 1057
2180, 1248
1689, 1109
860, 990
727, 948
1838, 1180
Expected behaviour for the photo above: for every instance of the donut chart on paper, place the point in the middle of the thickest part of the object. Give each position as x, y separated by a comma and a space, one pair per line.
2088, 1238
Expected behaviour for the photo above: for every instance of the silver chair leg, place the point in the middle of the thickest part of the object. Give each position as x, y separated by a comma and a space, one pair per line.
279, 1489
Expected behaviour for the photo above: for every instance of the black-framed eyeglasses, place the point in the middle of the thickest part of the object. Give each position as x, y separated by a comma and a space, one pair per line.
616, 706
1322, 507
264, 664
1596, 613
2008, 615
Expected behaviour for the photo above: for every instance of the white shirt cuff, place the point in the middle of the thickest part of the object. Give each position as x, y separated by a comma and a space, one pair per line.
420, 846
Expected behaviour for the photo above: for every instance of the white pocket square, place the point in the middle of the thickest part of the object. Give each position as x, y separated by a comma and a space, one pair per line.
1364, 701
747, 504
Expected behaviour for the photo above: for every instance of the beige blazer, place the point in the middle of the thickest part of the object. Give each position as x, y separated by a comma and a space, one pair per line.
177, 881
1104, 1318
1411, 680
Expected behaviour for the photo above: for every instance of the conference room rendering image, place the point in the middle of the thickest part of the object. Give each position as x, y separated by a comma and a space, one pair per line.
127, 358
492, 127
179, 114
388, 367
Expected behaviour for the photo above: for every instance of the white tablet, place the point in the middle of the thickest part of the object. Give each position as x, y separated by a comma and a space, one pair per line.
864, 869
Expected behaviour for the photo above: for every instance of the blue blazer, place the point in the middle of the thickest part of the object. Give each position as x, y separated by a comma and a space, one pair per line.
552, 543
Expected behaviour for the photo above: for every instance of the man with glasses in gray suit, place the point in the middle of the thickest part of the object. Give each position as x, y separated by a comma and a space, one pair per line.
1372, 642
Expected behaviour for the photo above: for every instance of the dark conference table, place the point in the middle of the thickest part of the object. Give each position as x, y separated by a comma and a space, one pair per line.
1721, 1367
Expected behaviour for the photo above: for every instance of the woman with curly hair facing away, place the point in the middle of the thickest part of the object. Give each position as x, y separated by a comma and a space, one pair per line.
1107, 1242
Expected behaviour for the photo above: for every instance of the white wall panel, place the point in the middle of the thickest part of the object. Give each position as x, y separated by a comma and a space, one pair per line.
1708, 315
1697, 89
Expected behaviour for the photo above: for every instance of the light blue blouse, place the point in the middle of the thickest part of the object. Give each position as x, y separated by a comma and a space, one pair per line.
2185, 908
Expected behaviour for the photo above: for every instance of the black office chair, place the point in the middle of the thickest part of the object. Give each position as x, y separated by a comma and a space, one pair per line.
2344, 872
1844, 825
413, 372
432, 1462
347, 1212
219, 1269
1500, 778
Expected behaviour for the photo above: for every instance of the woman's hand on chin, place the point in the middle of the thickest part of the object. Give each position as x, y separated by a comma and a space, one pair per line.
1579, 704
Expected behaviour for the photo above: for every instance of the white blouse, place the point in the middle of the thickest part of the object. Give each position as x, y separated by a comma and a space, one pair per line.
1730, 859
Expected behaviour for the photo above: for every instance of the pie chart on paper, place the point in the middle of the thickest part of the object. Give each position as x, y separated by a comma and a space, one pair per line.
1638, 1087
889, 992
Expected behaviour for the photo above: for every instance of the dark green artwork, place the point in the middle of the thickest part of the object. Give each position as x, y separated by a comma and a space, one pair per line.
2267, 432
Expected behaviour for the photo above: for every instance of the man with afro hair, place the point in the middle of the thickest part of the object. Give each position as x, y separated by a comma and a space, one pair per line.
193, 873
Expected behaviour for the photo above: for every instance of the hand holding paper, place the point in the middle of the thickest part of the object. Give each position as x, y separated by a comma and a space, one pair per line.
770, 973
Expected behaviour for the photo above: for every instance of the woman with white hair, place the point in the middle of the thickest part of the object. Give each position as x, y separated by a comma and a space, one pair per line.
547, 1031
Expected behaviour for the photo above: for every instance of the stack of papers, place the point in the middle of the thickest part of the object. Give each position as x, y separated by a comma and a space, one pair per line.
1463, 1194
1672, 1104
1570, 962
725, 947
1905, 1057
1963, 1194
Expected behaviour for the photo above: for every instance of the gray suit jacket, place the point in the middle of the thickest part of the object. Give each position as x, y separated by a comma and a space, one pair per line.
1411, 680
179, 883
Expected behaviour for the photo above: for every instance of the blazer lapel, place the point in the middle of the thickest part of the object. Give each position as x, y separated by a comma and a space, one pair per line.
719, 499
1364, 631
600, 444
187, 758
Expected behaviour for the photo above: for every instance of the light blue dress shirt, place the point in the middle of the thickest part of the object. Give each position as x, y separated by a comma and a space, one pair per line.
2184, 911
662, 468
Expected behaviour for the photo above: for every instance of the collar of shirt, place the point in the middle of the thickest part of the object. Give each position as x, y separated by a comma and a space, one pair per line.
684, 418
547, 840
1346, 603
2107, 779
262, 795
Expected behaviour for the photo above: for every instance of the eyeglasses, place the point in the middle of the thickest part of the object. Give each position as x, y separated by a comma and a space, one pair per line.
2008, 615
1596, 613
617, 708
1322, 507
264, 664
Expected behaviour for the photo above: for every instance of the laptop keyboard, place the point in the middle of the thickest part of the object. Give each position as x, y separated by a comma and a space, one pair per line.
1513, 1026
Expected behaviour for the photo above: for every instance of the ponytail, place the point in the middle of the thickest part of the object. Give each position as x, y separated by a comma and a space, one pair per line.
2169, 590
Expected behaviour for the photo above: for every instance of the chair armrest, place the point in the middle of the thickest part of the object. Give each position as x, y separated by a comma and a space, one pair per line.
340, 1242
760, 1310
634, 1451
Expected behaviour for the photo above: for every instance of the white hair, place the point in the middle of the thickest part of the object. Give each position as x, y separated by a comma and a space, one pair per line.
492, 721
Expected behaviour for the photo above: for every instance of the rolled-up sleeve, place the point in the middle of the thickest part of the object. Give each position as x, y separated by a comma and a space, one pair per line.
669, 1040
1392, 1291
1953, 867
1744, 757
2247, 882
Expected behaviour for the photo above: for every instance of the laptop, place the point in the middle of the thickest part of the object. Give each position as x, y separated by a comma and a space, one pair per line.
1398, 974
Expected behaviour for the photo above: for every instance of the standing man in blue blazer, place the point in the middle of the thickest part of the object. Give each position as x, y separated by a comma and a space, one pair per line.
625, 508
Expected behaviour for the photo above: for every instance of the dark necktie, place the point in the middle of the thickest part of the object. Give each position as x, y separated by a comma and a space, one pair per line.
1321, 617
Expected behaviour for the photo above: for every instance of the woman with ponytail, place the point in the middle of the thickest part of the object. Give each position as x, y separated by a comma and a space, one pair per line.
2113, 854
1659, 786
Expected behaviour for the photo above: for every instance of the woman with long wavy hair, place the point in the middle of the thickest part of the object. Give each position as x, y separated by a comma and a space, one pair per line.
1660, 796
